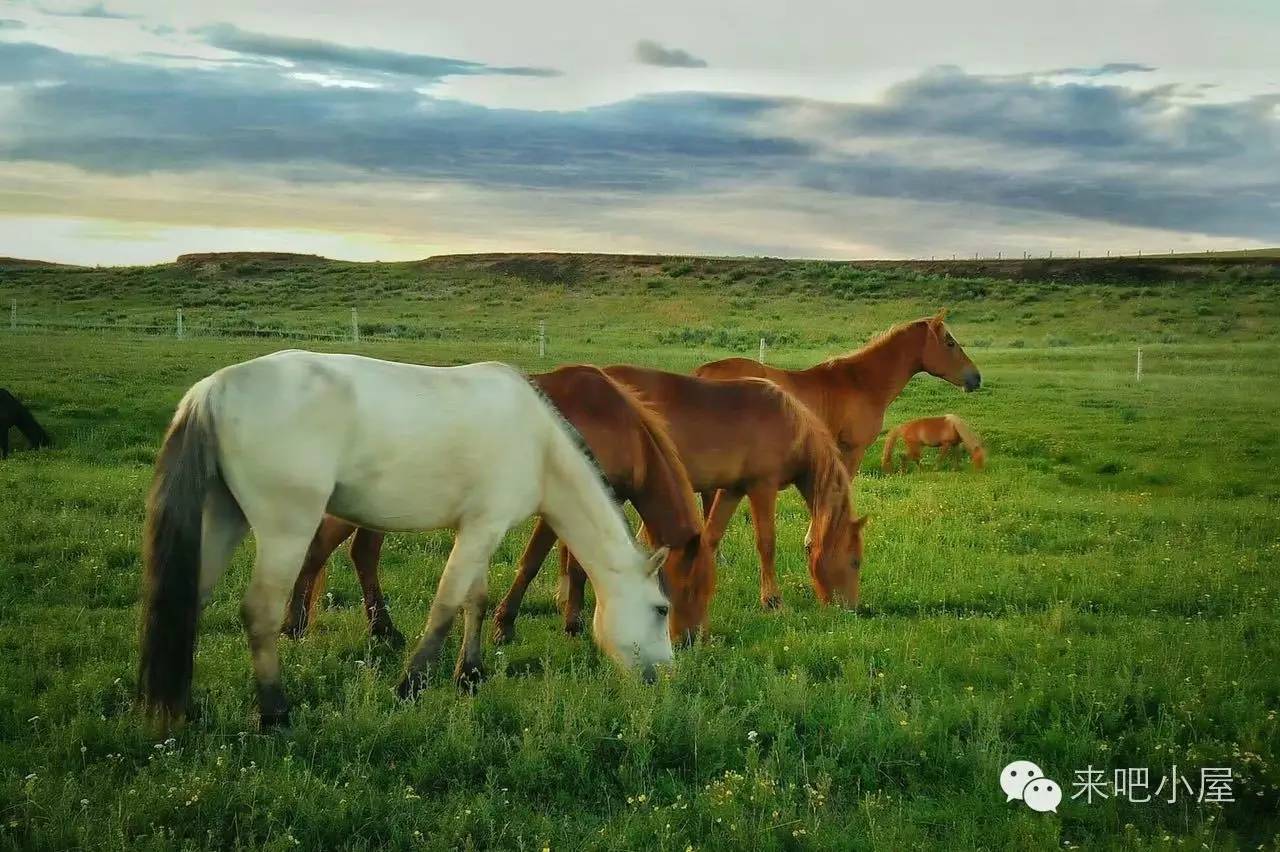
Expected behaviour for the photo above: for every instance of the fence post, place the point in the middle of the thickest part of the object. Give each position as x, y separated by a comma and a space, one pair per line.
355, 326
180, 331
542, 338
762, 350
13, 314
1138, 375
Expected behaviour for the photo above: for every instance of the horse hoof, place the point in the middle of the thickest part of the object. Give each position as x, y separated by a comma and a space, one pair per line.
469, 679
411, 685
274, 720
771, 602
573, 628
503, 633
390, 637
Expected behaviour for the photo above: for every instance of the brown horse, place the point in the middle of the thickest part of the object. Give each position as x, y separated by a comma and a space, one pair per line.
851, 393
750, 438
945, 432
638, 460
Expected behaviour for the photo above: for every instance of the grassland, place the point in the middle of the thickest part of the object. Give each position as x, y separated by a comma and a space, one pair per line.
1105, 594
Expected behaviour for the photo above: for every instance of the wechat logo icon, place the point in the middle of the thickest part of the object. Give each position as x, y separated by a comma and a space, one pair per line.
1023, 780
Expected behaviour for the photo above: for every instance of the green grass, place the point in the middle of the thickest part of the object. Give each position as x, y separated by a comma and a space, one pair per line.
1104, 594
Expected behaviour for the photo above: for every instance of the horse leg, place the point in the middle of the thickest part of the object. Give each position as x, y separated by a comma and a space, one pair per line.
468, 562
504, 617
726, 503
309, 587
764, 501
223, 527
708, 497
4, 441
366, 549
574, 582
944, 452
280, 553
912, 453
470, 670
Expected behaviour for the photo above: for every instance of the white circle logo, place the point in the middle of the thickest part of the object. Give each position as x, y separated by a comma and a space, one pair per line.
1014, 777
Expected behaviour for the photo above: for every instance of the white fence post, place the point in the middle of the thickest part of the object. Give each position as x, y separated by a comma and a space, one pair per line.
542, 338
13, 314
762, 350
1138, 375
180, 329
355, 326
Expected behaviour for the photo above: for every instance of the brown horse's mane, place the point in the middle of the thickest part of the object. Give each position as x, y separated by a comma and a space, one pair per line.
878, 342
813, 441
656, 425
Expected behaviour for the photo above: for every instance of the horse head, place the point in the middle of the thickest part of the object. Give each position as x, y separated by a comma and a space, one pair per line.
942, 355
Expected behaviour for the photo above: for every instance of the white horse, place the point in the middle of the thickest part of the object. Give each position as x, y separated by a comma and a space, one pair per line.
276, 442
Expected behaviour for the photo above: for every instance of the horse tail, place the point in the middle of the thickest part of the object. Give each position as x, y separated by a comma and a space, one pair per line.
186, 469
886, 459
972, 442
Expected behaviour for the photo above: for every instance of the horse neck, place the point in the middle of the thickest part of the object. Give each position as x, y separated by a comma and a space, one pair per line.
31, 430
664, 498
881, 370
583, 514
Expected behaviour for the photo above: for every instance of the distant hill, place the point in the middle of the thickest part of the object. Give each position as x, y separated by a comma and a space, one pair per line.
557, 267
25, 263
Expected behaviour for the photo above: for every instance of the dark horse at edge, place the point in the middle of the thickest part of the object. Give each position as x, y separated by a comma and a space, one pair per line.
13, 414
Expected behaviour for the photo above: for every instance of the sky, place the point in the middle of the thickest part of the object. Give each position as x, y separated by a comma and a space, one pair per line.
131, 132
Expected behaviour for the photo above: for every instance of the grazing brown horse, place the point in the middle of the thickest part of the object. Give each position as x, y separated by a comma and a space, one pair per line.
640, 464
851, 393
14, 415
749, 437
945, 432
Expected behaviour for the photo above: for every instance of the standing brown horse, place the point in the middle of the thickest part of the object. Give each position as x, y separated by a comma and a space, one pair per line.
749, 437
639, 462
851, 393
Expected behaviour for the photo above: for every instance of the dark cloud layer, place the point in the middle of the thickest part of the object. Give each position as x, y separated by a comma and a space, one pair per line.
335, 58
652, 53
1098, 152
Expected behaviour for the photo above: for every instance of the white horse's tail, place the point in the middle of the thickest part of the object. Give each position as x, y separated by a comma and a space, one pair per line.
972, 442
185, 471
886, 459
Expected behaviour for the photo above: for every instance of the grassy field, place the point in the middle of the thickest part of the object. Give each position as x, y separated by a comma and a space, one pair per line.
1104, 594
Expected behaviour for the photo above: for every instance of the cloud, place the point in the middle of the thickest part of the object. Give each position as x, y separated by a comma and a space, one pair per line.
1107, 70
1028, 148
95, 10
330, 57
10, 24
651, 53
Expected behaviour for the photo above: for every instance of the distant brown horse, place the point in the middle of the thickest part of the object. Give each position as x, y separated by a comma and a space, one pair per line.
851, 393
639, 462
749, 437
945, 432
14, 415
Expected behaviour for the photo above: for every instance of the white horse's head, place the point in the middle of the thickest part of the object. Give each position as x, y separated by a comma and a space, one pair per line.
630, 623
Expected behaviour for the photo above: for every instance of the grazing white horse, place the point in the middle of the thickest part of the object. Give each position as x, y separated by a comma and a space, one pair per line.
276, 442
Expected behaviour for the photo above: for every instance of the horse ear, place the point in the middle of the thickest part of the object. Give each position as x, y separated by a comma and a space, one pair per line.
656, 559
939, 317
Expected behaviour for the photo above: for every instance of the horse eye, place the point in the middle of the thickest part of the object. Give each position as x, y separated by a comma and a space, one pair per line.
663, 610
951, 342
